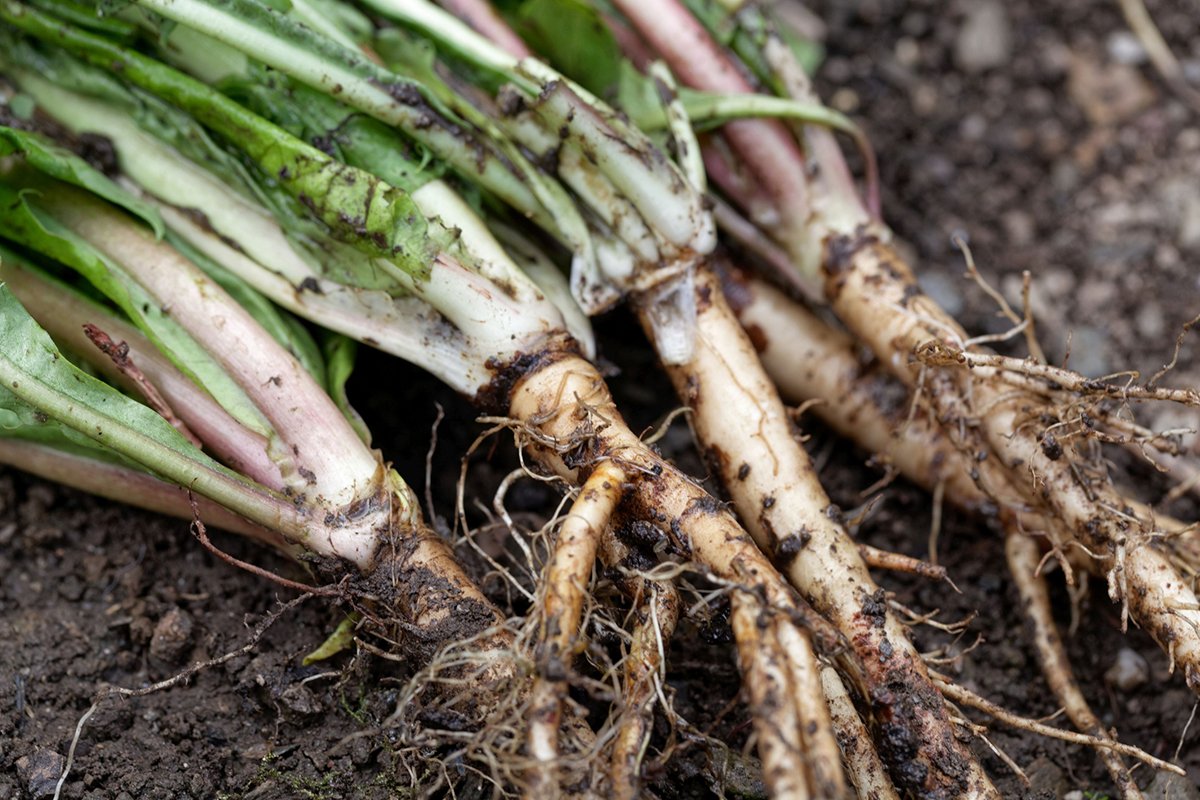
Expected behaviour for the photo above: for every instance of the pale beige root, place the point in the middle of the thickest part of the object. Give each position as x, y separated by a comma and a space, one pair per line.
644, 666
873, 291
810, 360
896, 562
656, 607
816, 365
744, 429
768, 690
565, 587
573, 426
863, 766
1024, 559
822, 755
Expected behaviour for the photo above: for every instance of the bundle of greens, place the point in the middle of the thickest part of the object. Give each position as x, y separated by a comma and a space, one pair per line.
416, 188
235, 420
736, 410
416, 273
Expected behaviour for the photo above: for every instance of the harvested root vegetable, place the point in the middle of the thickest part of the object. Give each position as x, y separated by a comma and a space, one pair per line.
443, 293
861, 404
305, 480
874, 293
748, 437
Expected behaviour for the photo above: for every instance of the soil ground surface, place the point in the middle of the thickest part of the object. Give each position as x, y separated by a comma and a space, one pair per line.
1037, 129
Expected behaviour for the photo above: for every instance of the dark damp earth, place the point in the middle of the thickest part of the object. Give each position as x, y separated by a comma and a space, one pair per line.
1036, 129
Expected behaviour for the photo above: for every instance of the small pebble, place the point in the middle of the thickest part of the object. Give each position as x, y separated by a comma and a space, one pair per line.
1046, 778
1125, 48
1129, 672
172, 636
39, 772
985, 39
300, 702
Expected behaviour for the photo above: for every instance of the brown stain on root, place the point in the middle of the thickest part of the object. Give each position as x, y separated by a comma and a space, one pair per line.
496, 396
920, 765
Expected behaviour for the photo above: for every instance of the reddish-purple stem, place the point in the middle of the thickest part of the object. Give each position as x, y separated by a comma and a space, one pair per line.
766, 146
480, 15
118, 352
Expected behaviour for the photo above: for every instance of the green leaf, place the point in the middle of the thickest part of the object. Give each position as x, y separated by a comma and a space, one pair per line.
346, 134
19, 420
356, 206
61, 163
39, 386
85, 16
30, 222
339, 641
340, 352
45, 398
56, 81
574, 38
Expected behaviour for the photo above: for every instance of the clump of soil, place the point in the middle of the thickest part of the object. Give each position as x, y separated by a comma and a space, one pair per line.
1049, 143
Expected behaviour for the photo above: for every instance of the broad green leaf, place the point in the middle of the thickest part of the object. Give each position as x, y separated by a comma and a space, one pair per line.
573, 37
30, 221
39, 387
346, 134
19, 420
64, 165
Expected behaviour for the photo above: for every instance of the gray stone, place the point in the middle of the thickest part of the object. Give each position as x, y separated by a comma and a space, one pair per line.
985, 39
299, 702
39, 772
172, 636
1169, 786
1125, 48
1046, 778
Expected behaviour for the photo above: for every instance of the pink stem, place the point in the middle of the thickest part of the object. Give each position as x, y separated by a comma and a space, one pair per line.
330, 459
480, 15
63, 316
633, 46
766, 146
125, 485
725, 173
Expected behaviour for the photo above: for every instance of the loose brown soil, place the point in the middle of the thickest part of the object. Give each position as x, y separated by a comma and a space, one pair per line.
1056, 159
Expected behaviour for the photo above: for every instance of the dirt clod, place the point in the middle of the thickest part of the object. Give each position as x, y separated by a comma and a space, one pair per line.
39, 772
300, 703
172, 636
